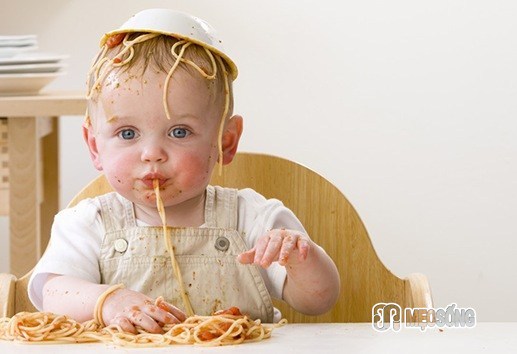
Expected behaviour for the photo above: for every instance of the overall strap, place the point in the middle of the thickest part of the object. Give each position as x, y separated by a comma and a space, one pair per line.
117, 212
221, 207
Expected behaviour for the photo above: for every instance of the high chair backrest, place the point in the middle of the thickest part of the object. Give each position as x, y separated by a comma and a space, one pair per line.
330, 220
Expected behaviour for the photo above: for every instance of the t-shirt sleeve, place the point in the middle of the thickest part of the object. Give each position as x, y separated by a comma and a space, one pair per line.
73, 248
257, 216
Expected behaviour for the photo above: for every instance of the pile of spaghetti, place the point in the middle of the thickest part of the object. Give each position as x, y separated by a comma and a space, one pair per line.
223, 328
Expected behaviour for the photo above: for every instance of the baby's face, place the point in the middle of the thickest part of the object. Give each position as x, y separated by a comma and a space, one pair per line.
136, 143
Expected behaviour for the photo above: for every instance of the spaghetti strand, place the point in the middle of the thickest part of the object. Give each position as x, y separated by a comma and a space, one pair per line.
216, 330
170, 249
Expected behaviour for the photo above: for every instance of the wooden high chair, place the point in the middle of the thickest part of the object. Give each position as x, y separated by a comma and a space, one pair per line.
329, 219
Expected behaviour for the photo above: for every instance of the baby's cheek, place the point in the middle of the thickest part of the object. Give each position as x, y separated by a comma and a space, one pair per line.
118, 170
196, 169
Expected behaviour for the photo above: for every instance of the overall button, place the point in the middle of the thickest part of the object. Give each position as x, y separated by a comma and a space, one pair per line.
222, 244
120, 245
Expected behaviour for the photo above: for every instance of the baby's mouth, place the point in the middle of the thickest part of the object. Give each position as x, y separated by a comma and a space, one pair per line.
150, 179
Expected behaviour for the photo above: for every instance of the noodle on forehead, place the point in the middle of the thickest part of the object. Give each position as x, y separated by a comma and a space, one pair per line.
103, 65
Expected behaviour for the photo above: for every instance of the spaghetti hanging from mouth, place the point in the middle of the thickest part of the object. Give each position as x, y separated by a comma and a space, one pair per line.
170, 249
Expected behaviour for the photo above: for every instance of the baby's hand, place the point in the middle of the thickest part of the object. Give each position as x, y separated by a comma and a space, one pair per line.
128, 308
279, 245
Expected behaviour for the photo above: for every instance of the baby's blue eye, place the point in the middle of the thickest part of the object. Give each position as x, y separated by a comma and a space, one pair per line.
179, 133
127, 134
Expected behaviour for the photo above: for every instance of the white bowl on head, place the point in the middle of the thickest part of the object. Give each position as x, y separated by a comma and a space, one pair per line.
177, 24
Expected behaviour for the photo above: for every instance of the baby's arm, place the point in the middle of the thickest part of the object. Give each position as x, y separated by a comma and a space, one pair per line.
76, 298
312, 284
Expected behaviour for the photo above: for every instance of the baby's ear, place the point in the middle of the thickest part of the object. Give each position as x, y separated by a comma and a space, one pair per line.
231, 136
89, 138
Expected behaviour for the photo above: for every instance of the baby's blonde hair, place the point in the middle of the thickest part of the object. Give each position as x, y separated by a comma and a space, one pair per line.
151, 51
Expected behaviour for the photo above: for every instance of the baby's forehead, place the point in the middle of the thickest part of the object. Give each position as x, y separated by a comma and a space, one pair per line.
138, 82
186, 92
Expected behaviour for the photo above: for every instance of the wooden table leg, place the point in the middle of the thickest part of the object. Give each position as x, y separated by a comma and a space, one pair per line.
50, 202
24, 198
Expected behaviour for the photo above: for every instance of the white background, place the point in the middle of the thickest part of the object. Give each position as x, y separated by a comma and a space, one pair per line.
408, 107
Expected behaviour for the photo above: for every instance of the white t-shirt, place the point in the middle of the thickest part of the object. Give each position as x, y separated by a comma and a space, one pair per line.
77, 234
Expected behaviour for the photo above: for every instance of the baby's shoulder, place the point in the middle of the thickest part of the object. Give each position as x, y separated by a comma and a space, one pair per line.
248, 195
251, 200
86, 210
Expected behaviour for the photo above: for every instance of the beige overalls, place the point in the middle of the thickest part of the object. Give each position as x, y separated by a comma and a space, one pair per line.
137, 257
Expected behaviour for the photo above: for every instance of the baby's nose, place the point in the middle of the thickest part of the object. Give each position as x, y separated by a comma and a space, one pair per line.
154, 154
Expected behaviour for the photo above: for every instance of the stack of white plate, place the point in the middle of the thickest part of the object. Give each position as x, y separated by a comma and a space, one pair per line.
23, 69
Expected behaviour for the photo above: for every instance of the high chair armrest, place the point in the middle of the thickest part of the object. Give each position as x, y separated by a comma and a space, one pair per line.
7, 294
418, 291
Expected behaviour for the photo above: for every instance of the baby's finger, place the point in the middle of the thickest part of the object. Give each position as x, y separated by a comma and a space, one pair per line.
139, 318
247, 257
303, 249
159, 314
260, 248
176, 312
288, 245
272, 250
123, 323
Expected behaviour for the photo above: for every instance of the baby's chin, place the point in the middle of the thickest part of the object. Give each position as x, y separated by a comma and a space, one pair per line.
140, 196
147, 199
